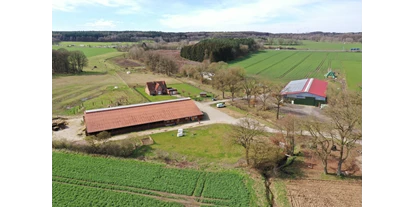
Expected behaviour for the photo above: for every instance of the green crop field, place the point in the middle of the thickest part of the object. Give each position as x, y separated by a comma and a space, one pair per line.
284, 66
312, 45
81, 180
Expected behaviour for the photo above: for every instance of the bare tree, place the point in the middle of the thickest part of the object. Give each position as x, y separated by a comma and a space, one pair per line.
265, 92
278, 97
321, 140
244, 132
249, 86
288, 128
265, 154
234, 77
220, 81
345, 113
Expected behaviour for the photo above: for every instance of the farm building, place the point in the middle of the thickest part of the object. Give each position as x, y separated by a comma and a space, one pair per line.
159, 88
123, 119
308, 91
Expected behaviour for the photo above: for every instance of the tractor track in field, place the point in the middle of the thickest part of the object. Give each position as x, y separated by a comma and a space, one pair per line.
276, 63
317, 68
160, 195
261, 60
293, 67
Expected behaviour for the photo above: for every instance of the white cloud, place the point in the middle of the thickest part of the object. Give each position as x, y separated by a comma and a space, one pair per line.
100, 24
272, 16
125, 6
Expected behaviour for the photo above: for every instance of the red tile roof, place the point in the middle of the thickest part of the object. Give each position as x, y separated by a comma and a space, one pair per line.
131, 115
153, 86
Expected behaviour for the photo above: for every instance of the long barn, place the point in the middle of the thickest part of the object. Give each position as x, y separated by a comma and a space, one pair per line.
308, 91
123, 119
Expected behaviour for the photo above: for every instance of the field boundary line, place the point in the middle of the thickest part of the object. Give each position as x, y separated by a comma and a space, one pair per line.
261, 60
318, 68
162, 193
190, 202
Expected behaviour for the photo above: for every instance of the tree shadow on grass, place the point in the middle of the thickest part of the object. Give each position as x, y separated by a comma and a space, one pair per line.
246, 57
142, 151
294, 170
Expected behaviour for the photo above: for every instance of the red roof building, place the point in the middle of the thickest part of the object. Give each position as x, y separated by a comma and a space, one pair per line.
135, 117
309, 91
156, 88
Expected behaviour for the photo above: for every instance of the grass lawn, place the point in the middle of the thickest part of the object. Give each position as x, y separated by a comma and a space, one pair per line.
205, 143
141, 90
187, 90
89, 51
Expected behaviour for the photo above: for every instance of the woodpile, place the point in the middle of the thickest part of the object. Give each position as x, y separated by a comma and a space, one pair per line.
59, 123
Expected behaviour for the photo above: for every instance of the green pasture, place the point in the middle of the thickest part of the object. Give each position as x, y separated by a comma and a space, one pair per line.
202, 143
283, 66
73, 94
88, 51
101, 62
97, 44
312, 45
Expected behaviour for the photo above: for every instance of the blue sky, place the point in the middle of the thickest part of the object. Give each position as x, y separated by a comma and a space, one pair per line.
275, 16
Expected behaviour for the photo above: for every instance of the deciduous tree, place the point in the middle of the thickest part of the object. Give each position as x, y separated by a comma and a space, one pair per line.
244, 132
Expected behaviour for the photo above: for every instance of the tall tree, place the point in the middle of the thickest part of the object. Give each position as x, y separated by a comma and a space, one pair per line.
244, 132
77, 60
265, 92
288, 128
322, 139
249, 86
278, 97
345, 113
220, 81
234, 77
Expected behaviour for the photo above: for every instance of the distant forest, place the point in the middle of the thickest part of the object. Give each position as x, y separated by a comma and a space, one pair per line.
135, 36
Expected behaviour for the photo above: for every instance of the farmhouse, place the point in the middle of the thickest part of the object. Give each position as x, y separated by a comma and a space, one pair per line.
156, 88
309, 91
123, 119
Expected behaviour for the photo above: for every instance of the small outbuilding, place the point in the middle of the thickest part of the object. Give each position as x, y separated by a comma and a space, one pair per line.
203, 94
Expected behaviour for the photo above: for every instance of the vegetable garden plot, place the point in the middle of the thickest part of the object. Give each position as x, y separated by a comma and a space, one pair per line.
146, 182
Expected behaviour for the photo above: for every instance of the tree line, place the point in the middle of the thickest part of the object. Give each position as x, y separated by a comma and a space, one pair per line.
155, 62
64, 61
215, 50
135, 36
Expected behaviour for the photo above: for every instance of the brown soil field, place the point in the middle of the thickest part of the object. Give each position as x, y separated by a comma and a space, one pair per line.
123, 62
141, 77
324, 193
175, 55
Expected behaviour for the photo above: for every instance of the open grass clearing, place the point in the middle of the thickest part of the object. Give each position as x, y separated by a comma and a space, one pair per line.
89, 51
205, 143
